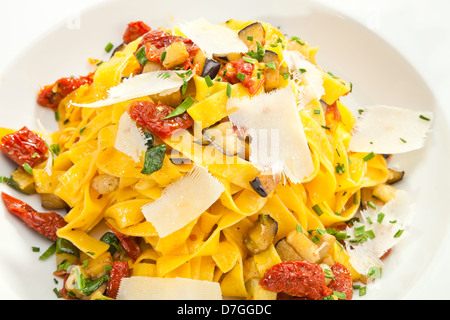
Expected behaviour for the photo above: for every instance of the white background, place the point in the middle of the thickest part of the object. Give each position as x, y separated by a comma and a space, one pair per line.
418, 29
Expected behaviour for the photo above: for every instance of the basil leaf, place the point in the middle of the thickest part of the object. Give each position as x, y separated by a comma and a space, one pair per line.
154, 158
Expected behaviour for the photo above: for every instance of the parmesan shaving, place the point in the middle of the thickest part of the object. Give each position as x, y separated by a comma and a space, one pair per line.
388, 130
163, 82
183, 201
153, 288
396, 216
305, 72
129, 139
278, 141
213, 38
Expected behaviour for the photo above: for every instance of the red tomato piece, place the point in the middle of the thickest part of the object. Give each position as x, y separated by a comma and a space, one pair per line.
342, 281
119, 271
151, 116
296, 278
51, 95
241, 68
24, 146
129, 243
156, 41
135, 30
47, 224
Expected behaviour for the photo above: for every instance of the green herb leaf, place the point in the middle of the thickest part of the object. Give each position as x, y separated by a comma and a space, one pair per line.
109, 47
140, 55
369, 156
154, 158
186, 104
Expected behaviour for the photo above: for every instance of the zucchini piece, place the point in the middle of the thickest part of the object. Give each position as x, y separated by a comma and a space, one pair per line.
51, 201
395, 176
256, 292
252, 34
223, 137
24, 182
65, 246
286, 251
384, 192
261, 235
176, 54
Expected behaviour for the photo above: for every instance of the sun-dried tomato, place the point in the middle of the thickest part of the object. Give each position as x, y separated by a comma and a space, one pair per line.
47, 224
296, 278
151, 116
119, 271
51, 95
342, 281
129, 243
24, 146
135, 30
156, 41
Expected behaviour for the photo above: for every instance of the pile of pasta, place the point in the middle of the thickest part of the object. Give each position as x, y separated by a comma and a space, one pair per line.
211, 247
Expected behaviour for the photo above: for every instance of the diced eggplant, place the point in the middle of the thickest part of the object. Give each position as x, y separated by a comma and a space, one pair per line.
227, 58
223, 137
51, 201
105, 183
151, 66
286, 251
261, 235
211, 68
272, 75
178, 161
119, 48
264, 184
252, 34
395, 176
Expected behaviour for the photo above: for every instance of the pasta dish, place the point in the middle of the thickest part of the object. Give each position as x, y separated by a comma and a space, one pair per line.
212, 160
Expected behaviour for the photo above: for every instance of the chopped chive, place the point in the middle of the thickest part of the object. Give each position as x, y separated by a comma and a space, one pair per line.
332, 75
398, 233
273, 45
99, 64
34, 155
56, 115
298, 40
340, 168
164, 75
317, 210
317, 111
369, 156
380, 217
186, 104
359, 231
35, 249
27, 168
340, 295
299, 228
258, 75
271, 65
140, 55
55, 290
355, 199
249, 60
370, 234
241, 76
228, 90
371, 204
362, 291
285, 75
374, 272
360, 111
109, 47
249, 38
51, 250
208, 81
302, 70
184, 87
403, 140
315, 239
326, 128
163, 55
424, 118
81, 130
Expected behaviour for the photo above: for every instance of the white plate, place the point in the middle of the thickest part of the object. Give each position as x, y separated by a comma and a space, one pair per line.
378, 73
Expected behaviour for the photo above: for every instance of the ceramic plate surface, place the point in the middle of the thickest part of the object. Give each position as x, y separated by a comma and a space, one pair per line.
379, 74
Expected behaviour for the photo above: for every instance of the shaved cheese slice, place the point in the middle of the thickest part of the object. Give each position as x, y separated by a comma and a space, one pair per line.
388, 130
163, 82
386, 222
130, 139
278, 141
183, 201
152, 288
304, 71
212, 38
